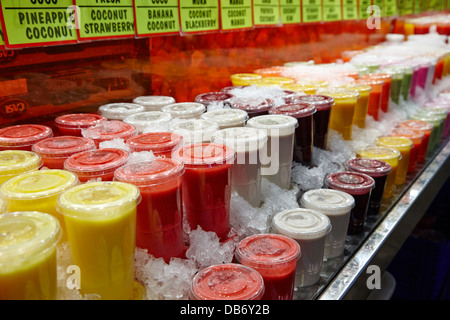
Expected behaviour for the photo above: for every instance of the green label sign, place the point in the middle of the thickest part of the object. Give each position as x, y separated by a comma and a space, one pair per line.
363, 6
267, 12
290, 11
38, 22
155, 17
102, 19
405, 7
380, 4
2, 39
312, 10
349, 9
332, 10
390, 8
236, 14
199, 15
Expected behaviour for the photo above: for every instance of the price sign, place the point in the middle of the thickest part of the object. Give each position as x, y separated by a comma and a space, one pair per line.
363, 6
349, 9
290, 11
199, 15
312, 10
236, 14
390, 8
267, 12
156, 17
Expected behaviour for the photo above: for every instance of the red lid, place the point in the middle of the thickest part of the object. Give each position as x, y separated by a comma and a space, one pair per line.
296, 110
154, 141
96, 160
371, 167
354, 183
227, 282
62, 146
205, 154
109, 130
207, 98
319, 101
24, 135
79, 120
148, 173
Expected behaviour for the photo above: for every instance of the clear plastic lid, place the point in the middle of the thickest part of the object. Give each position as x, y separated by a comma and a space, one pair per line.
154, 103
155, 141
18, 161
109, 130
227, 281
328, 201
3, 208
241, 138
413, 135
380, 153
207, 98
120, 110
386, 77
274, 124
301, 224
417, 125
148, 173
23, 235
359, 87
375, 84
194, 130
319, 101
247, 78
340, 94
296, 110
372, 167
354, 183
102, 160
399, 143
79, 120
204, 154
23, 135
38, 184
185, 110
62, 146
252, 105
434, 119
150, 118
266, 250
230, 88
226, 117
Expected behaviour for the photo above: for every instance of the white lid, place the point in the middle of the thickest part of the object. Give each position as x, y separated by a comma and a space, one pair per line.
185, 110
274, 124
302, 224
119, 111
154, 103
150, 118
194, 130
226, 117
241, 138
328, 201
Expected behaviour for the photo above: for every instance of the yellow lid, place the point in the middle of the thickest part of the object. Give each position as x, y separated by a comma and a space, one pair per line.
380, 153
340, 94
273, 81
2, 206
38, 184
247, 78
316, 83
399, 143
300, 87
13, 162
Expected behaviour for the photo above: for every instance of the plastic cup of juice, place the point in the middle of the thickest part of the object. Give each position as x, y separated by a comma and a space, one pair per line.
303, 138
253, 108
310, 229
54, 151
244, 79
120, 110
23, 136
96, 164
437, 124
100, 218
408, 72
206, 186
362, 105
336, 205
249, 145
438, 112
73, 124
228, 281
275, 257
416, 137
379, 171
162, 144
442, 109
396, 82
109, 130
321, 117
16, 162
38, 191
226, 118
3, 208
214, 98
343, 110
404, 145
422, 127
280, 130
28, 265
185, 110
194, 130
159, 225
374, 107
360, 186
386, 92
149, 119
154, 103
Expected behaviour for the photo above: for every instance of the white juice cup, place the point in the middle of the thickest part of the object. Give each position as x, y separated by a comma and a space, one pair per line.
185, 110
194, 130
226, 118
154, 103
149, 119
120, 110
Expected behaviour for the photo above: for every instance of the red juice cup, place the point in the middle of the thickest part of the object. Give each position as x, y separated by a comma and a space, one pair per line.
207, 186
417, 138
109, 130
386, 93
375, 96
214, 97
229, 281
321, 117
379, 171
159, 224
360, 186
23, 136
96, 164
275, 257
54, 151
423, 127
73, 124
162, 144
303, 138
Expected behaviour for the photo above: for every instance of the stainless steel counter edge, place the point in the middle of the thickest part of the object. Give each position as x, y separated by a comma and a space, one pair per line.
381, 246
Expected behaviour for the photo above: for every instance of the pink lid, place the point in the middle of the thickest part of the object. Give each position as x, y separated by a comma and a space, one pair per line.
227, 282
24, 135
62, 146
204, 154
296, 110
79, 120
354, 183
319, 101
109, 130
155, 141
101, 160
207, 98
371, 167
149, 173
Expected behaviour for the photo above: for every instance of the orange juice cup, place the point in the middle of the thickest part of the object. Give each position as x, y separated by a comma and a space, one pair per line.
362, 105
386, 94
423, 127
374, 106
417, 138
404, 145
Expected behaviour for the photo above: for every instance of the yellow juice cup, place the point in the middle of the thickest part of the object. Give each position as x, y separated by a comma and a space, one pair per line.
404, 145
389, 155
28, 256
15, 162
362, 105
244, 79
2, 206
100, 219
38, 191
